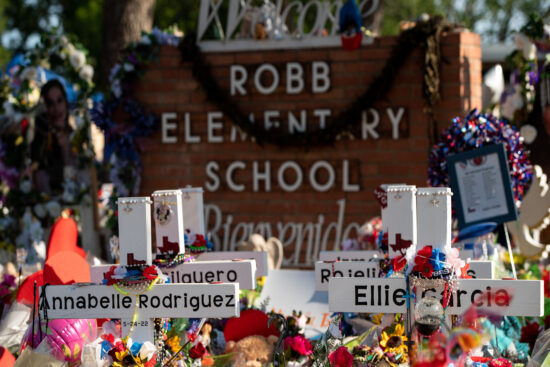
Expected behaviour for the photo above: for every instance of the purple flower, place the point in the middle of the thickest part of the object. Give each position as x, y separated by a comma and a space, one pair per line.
132, 58
533, 77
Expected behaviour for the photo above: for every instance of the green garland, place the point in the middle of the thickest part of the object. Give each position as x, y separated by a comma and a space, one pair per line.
426, 34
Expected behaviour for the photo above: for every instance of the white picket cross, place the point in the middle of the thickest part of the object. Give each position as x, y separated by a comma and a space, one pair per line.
163, 300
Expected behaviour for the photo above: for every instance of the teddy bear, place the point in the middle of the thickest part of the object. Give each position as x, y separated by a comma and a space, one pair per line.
252, 351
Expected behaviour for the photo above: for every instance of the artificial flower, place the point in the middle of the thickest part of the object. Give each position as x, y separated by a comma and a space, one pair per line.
86, 73
77, 59
395, 342
464, 272
500, 362
298, 344
529, 333
109, 337
150, 272
147, 351
377, 319
53, 208
341, 357
422, 262
174, 343
437, 260
398, 263
197, 351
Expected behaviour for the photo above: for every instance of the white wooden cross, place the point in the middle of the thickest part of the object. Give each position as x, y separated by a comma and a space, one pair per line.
506, 297
431, 227
163, 300
172, 210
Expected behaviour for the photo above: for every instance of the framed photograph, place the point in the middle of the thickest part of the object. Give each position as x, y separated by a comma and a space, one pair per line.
481, 184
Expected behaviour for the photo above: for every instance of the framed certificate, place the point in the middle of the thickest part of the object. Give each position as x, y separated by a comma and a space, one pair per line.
481, 184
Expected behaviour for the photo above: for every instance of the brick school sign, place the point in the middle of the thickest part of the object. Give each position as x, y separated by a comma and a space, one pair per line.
311, 198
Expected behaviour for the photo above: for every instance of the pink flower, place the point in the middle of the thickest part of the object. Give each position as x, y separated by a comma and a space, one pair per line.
299, 344
341, 357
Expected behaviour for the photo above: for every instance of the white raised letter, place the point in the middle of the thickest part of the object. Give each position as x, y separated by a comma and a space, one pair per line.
211, 118
237, 83
313, 179
265, 176
346, 186
281, 176
395, 121
369, 127
320, 79
293, 123
188, 137
166, 126
229, 176
294, 78
322, 114
268, 114
212, 169
274, 83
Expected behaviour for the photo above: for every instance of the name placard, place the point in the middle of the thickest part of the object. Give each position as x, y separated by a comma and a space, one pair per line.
352, 269
165, 300
481, 269
225, 271
259, 256
506, 297
349, 255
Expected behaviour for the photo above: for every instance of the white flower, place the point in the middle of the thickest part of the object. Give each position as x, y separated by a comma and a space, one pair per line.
145, 40
53, 208
29, 73
128, 67
33, 97
527, 47
77, 59
39, 210
86, 73
25, 186
120, 272
63, 40
147, 351
115, 88
529, 133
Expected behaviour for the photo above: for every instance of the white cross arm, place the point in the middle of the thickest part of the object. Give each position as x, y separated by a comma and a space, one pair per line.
163, 300
259, 256
353, 269
387, 295
364, 255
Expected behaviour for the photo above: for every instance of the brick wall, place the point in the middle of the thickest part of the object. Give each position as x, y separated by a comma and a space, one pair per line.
168, 86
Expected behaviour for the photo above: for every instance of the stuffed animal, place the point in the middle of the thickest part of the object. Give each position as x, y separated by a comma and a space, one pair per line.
252, 351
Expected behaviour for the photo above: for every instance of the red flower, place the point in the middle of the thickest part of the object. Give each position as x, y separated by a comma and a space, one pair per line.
299, 344
341, 357
480, 359
150, 272
197, 351
422, 262
546, 279
398, 263
119, 347
464, 272
199, 241
109, 337
109, 275
529, 334
500, 362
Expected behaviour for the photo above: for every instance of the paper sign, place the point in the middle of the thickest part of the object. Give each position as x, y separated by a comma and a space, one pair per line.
241, 272
353, 269
349, 255
294, 290
505, 297
165, 300
259, 256
480, 269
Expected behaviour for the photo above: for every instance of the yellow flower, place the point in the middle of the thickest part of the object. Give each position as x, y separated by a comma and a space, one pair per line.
174, 343
260, 281
377, 319
120, 355
394, 342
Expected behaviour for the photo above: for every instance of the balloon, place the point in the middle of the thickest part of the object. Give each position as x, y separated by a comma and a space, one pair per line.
63, 238
66, 267
65, 337
6, 358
